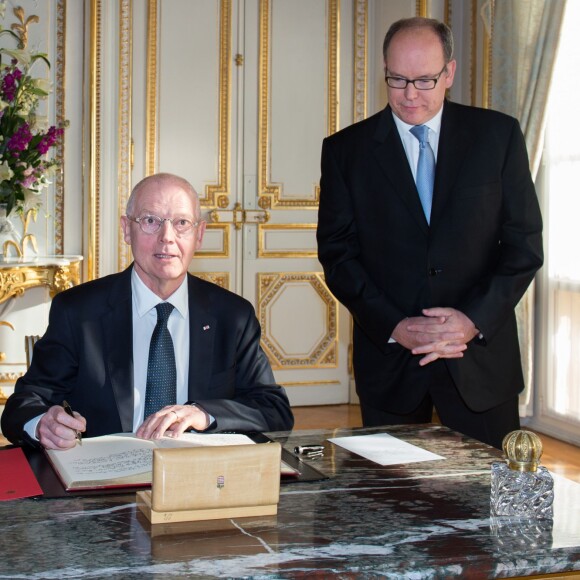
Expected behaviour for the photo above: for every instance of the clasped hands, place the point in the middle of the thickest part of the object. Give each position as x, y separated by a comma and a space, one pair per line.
57, 430
439, 333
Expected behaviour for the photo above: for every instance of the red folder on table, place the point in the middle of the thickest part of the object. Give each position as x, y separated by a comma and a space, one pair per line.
17, 480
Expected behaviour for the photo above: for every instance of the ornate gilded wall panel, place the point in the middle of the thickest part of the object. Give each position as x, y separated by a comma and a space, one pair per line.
276, 194
287, 241
299, 319
222, 187
220, 278
167, 146
180, 139
216, 242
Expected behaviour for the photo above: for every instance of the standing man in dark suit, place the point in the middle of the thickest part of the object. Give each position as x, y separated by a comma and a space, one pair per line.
95, 353
432, 287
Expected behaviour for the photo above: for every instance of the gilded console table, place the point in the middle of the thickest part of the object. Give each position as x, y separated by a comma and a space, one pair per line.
17, 275
57, 272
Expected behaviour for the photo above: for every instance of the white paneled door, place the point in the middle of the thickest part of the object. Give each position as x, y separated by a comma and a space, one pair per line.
237, 96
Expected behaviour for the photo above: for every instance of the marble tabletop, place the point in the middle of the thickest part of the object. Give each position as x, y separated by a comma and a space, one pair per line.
417, 520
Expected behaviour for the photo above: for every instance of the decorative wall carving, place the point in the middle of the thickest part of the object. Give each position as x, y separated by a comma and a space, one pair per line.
309, 345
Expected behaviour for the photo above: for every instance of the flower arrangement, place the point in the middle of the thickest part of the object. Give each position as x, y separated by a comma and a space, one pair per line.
25, 137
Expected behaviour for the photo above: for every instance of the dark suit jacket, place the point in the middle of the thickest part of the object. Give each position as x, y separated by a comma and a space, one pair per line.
86, 357
384, 262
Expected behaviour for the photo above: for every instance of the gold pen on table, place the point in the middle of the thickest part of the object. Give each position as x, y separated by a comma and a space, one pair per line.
69, 411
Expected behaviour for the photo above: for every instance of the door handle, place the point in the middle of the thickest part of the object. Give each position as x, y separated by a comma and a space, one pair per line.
238, 216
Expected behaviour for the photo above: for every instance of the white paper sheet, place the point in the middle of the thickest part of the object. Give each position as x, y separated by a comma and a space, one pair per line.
384, 449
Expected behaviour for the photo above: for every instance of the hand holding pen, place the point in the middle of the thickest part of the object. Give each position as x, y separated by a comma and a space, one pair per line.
69, 411
53, 430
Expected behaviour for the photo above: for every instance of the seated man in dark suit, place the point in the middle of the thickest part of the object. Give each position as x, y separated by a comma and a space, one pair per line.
151, 350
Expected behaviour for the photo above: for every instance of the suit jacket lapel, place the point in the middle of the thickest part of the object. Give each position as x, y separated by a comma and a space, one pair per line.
117, 328
454, 144
392, 158
202, 329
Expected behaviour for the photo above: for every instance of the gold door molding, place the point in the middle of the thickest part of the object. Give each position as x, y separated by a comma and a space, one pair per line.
265, 252
216, 194
221, 190
59, 94
485, 80
360, 59
125, 160
151, 90
94, 215
271, 193
317, 347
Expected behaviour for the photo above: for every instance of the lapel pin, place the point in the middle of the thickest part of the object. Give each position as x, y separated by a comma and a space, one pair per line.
206, 327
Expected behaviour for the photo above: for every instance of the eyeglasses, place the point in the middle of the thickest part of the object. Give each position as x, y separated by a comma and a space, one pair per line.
151, 224
419, 84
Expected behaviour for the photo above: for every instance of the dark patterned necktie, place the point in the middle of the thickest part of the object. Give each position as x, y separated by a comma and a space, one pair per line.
425, 169
161, 372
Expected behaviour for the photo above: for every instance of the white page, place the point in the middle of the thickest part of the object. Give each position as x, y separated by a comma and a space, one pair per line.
124, 455
566, 532
205, 440
384, 449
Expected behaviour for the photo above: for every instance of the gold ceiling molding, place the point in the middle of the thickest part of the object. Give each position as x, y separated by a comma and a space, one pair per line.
151, 90
360, 59
324, 353
271, 193
60, 68
124, 164
263, 252
95, 141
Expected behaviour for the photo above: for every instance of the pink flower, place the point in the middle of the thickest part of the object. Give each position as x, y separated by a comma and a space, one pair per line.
29, 181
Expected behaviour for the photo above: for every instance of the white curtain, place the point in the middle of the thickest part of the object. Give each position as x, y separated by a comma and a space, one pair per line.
557, 411
525, 42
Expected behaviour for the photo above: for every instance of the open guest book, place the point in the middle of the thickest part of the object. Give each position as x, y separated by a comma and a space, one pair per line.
123, 460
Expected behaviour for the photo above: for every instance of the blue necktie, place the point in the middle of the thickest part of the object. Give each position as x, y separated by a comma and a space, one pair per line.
161, 372
425, 169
